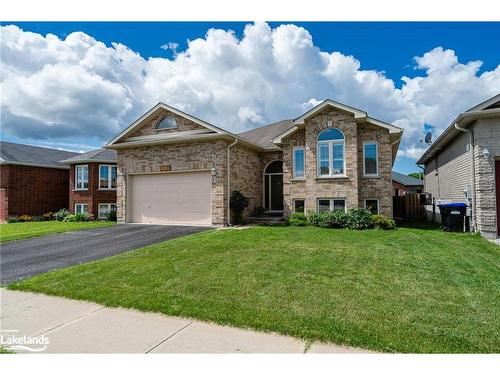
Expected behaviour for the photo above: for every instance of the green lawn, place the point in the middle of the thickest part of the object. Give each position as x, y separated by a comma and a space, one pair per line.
407, 290
20, 231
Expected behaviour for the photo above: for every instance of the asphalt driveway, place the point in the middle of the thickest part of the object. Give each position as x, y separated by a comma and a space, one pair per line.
24, 258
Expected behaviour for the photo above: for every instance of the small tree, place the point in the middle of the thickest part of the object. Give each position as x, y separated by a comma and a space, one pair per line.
238, 203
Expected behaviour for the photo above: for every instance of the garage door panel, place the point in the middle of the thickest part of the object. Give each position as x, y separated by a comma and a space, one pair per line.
176, 198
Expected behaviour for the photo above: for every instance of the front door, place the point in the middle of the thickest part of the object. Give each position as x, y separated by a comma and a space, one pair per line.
273, 187
497, 183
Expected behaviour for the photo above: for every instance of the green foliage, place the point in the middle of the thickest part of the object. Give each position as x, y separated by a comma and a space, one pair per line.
359, 218
37, 218
383, 222
61, 214
333, 219
258, 210
313, 218
77, 217
417, 175
238, 203
111, 215
13, 219
297, 219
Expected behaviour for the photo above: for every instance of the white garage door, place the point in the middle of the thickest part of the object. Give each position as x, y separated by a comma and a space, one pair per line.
171, 198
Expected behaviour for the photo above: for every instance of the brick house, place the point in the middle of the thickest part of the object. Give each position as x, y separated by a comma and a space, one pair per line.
463, 165
403, 184
176, 168
92, 182
33, 181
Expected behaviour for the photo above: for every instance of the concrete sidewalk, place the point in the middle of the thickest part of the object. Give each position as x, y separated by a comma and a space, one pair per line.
82, 327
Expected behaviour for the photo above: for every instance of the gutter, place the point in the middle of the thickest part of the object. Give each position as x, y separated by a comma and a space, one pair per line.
229, 183
473, 189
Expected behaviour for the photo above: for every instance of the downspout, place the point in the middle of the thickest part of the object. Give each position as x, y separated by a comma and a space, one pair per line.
229, 184
473, 190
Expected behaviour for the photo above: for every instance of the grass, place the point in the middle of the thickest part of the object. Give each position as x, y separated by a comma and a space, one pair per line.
20, 231
407, 290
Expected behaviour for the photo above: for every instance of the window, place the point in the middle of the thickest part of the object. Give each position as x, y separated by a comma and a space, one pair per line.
331, 153
107, 176
104, 208
166, 123
81, 208
82, 177
298, 162
372, 205
370, 158
331, 204
298, 205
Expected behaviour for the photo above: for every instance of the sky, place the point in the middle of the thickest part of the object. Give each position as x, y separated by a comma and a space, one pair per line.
75, 85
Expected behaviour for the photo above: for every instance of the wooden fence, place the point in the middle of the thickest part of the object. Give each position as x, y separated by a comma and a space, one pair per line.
409, 206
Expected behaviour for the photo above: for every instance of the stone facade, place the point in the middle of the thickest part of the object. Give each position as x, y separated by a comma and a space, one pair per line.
354, 187
190, 156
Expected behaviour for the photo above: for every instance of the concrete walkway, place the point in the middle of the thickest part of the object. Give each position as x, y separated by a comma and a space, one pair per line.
83, 327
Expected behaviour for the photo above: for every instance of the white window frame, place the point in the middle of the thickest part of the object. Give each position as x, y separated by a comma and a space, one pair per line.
83, 205
330, 144
99, 209
366, 143
378, 204
295, 177
332, 204
77, 179
298, 199
110, 168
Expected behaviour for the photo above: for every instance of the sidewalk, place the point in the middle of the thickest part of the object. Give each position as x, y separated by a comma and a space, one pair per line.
83, 327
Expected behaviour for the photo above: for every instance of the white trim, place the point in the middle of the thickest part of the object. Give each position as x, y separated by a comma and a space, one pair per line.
99, 209
76, 177
358, 114
286, 133
365, 143
378, 204
390, 127
178, 134
330, 144
110, 169
298, 199
294, 176
81, 204
157, 126
485, 104
332, 204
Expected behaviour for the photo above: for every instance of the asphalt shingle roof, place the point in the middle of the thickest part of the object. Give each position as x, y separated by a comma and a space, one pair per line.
101, 154
406, 180
15, 153
262, 136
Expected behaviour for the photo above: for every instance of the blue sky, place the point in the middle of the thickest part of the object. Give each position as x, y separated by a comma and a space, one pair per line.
388, 48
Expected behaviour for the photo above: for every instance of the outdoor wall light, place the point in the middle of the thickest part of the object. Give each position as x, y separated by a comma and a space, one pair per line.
213, 171
486, 153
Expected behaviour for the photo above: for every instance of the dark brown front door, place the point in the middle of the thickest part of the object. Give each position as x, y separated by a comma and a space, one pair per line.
497, 183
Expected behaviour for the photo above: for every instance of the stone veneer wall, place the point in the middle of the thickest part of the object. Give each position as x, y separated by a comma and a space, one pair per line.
486, 135
376, 187
181, 157
183, 124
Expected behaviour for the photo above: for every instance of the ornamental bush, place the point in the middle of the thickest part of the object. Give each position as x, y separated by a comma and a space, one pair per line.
333, 219
359, 218
297, 219
238, 203
61, 214
383, 222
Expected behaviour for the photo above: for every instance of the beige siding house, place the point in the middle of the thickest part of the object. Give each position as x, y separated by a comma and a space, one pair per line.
174, 168
463, 165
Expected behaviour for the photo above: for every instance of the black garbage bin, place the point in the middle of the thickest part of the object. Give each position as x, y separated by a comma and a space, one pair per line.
453, 216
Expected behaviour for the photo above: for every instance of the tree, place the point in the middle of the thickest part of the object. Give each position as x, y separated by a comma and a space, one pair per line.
417, 175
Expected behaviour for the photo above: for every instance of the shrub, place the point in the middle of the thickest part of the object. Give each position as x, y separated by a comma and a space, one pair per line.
38, 218
13, 219
111, 215
383, 222
258, 210
359, 218
238, 203
25, 218
297, 219
77, 217
313, 218
61, 214
333, 219
48, 216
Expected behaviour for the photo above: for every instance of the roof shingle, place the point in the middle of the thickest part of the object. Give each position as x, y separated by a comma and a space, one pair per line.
15, 153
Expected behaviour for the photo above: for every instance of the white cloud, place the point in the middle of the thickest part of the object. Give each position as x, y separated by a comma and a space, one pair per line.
53, 88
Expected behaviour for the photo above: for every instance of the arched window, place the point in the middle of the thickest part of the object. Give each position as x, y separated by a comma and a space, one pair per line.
167, 122
331, 153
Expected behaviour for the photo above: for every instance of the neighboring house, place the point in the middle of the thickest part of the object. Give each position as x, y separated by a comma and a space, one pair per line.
92, 183
463, 165
176, 168
403, 184
33, 181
